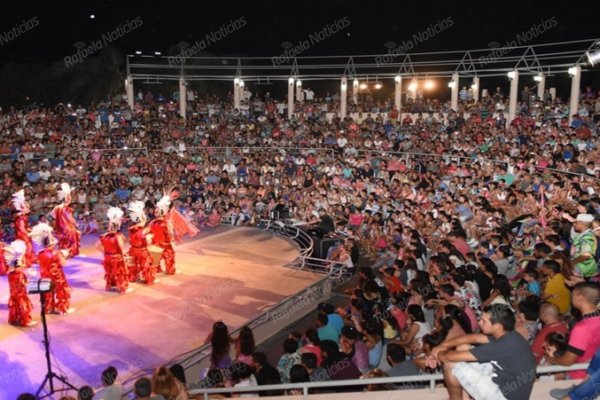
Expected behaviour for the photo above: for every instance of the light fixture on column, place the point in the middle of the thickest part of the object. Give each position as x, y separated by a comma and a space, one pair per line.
299, 83
572, 71
241, 83
511, 75
355, 83
291, 81
474, 84
538, 78
397, 78
451, 84
236, 81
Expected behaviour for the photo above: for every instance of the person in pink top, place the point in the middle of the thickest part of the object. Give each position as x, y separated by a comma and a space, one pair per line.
584, 340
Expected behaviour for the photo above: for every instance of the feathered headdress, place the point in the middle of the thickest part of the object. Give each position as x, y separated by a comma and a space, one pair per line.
18, 200
136, 211
115, 215
163, 204
65, 190
14, 252
40, 233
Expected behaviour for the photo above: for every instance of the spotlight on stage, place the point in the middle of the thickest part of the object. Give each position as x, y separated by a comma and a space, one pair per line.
593, 57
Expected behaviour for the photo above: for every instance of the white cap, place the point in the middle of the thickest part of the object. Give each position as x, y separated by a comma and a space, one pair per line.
585, 217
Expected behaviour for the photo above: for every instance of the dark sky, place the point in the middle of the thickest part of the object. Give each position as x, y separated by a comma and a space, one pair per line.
269, 24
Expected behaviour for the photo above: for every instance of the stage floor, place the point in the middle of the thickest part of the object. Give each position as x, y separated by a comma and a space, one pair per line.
231, 274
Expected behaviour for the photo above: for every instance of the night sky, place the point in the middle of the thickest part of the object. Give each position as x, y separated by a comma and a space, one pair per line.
59, 28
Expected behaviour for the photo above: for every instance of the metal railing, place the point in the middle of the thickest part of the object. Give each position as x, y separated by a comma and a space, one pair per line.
295, 233
289, 309
306, 386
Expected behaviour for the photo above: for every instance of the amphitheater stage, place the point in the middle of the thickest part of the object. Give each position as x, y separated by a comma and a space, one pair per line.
229, 274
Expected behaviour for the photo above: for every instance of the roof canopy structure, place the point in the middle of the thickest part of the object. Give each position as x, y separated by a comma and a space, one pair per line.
497, 60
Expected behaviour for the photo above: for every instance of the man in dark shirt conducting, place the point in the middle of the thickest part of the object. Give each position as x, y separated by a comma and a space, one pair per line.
500, 366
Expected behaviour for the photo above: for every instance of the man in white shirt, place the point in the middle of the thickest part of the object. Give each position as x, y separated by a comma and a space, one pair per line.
110, 389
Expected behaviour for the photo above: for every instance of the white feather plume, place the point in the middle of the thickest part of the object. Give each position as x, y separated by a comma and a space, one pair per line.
136, 211
65, 190
40, 232
18, 200
163, 204
14, 251
115, 215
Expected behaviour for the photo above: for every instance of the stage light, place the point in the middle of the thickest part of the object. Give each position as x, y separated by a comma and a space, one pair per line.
397, 78
92, 16
138, 52
593, 57
157, 53
511, 75
572, 71
378, 86
363, 86
413, 86
429, 84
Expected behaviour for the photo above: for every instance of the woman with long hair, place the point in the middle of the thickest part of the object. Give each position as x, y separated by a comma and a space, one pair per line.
221, 343
165, 384
244, 346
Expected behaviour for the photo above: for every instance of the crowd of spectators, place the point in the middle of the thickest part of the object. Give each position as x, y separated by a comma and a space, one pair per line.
467, 215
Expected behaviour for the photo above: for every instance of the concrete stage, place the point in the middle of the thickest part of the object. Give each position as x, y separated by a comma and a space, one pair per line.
231, 274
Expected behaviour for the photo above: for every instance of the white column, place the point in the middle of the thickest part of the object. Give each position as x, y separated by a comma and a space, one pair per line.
514, 94
129, 91
475, 88
182, 98
299, 92
454, 95
343, 96
575, 73
552, 91
290, 107
355, 84
237, 95
398, 95
541, 82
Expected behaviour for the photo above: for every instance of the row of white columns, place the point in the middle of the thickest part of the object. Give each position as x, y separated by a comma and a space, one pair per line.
295, 90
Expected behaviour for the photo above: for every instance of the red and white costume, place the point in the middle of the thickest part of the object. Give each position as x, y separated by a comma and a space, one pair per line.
139, 236
22, 226
112, 244
66, 226
162, 234
19, 304
51, 262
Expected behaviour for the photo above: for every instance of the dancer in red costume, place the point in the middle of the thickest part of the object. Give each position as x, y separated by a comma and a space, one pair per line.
3, 267
66, 226
141, 267
51, 262
162, 234
112, 244
19, 304
22, 226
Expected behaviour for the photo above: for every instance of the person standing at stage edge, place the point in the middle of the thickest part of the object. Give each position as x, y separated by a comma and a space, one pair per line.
19, 304
139, 238
51, 262
162, 234
22, 226
113, 243
66, 226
